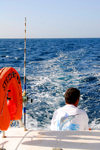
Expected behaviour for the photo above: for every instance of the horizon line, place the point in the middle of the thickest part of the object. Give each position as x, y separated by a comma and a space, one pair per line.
50, 38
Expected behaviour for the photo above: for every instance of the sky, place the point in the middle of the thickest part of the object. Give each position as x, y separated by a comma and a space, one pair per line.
50, 18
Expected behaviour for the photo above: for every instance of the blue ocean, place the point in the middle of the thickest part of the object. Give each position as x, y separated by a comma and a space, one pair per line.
52, 66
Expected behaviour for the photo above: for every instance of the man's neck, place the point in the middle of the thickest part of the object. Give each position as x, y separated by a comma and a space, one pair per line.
72, 104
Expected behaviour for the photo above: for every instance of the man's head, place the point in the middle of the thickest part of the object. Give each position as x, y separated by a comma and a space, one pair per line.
72, 96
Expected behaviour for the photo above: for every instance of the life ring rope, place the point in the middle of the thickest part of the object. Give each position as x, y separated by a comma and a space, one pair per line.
2, 106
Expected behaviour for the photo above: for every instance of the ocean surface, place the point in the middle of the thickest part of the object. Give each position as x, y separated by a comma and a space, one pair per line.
52, 66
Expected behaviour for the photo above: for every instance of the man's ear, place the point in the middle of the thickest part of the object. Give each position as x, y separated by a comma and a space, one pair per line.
76, 104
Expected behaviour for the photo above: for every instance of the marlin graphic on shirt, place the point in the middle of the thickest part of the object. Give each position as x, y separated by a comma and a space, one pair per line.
65, 123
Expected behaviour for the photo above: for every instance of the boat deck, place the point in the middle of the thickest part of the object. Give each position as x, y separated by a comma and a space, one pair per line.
18, 139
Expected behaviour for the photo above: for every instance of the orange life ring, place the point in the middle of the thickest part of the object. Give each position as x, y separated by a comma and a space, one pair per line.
10, 97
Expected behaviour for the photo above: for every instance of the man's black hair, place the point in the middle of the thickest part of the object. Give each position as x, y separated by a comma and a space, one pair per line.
71, 95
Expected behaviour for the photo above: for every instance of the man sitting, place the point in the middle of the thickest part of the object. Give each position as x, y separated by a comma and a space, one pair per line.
69, 117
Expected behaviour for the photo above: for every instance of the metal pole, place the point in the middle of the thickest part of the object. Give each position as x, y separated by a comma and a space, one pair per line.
4, 134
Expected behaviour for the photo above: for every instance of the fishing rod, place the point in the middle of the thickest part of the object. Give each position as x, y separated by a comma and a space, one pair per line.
25, 60
25, 98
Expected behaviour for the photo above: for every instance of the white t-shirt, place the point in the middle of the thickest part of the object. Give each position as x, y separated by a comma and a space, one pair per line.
69, 117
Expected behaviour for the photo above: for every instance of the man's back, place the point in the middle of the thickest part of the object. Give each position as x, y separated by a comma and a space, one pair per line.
69, 117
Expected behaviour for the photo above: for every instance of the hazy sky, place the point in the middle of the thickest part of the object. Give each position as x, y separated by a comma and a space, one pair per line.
50, 18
